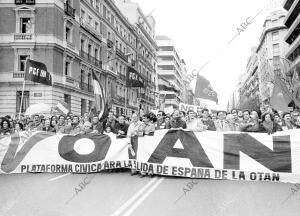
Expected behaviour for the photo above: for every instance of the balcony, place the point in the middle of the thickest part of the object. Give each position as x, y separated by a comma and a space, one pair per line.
110, 44
66, 81
122, 77
121, 54
69, 10
91, 59
23, 36
86, 87
19, 75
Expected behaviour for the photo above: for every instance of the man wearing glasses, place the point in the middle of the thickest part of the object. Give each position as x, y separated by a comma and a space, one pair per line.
160, 124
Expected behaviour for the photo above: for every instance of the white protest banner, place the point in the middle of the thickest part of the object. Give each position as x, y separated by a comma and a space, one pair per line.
215, 155
187, 107
209, 154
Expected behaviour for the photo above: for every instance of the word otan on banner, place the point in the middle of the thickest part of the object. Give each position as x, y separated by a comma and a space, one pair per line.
182, 153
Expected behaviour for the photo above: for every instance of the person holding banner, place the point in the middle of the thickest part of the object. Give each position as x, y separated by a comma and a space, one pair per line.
193, 123
176, 122
160, 124
209, 123
268, 125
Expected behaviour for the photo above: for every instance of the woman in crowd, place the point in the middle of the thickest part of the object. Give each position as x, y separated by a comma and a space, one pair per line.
5, 127
177, 121
18, 127
268, 125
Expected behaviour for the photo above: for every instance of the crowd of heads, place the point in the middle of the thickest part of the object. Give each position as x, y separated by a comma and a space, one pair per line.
265, 120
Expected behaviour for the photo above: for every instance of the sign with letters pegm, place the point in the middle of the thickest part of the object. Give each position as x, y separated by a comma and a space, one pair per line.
37, 72
182, 153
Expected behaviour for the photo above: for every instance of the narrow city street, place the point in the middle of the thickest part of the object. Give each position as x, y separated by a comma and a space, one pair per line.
122, 194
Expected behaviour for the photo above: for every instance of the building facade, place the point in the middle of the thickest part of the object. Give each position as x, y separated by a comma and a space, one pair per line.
147, 48
249, 81
73, 38
292, 22
169, 67
271, 49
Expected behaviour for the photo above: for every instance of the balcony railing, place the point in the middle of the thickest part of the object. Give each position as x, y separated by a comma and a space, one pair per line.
18, 75
91, 59
69, 10
121, 54
23, 36
122, 77
86, 87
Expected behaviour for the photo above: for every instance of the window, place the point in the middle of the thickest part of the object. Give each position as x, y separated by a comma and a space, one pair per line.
22, 62
83, 106
82, 45
275, 47
25, 25
89, 50
275, 35
104, 11
25, 103
97, 5
90, 20
112, 19
82, 15
96, 26
90, 105
68, 34
67, 68
96, 53
67, 99
82, 78
89, 80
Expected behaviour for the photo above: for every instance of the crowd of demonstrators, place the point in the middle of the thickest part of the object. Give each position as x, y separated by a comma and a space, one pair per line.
145, 124
140, 124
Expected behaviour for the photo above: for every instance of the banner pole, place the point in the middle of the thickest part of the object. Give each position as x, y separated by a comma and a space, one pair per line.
126, 92
23, 88
22, 96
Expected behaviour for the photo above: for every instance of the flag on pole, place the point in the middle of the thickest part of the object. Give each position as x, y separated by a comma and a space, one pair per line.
279, 100
101, 107
37, 72
203, 89
62, 107
134, 79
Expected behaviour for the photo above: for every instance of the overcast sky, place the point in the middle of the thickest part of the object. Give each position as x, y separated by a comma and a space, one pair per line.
201, 30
